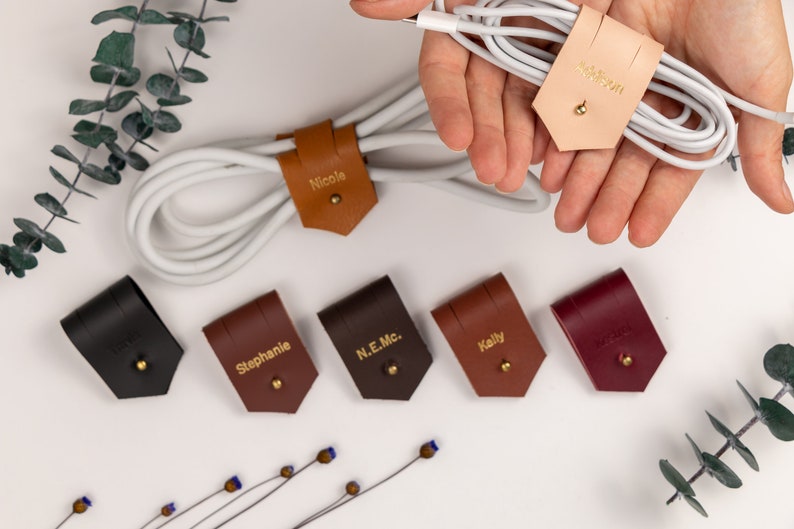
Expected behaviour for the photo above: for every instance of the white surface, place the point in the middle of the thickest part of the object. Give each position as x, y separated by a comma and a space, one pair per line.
718, 287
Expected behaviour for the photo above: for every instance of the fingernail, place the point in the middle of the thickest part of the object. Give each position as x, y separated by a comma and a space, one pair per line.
786, 192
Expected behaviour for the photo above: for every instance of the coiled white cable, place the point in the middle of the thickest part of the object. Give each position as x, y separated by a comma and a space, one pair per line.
502, 47
208, 252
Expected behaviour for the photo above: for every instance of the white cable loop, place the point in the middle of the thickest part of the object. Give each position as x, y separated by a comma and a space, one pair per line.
208, 252
488, 20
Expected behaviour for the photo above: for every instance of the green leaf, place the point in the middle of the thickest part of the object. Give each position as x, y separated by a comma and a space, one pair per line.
101, 175
734, 442
183, 16
190, 35
121, 100
92, 134
63, 152
698, 451
135, 160
689, 499
102, 73
80, 107
788, 142
146, 114
51, 204
33, 229
166, 122
117, 49
161, 85
215, 19
778, 419
750, 399
18, 258
125, 13
674, 478
174, 101
722, 472
191, 75
66, 183
150, 16
134, 125
779, 363
23, 240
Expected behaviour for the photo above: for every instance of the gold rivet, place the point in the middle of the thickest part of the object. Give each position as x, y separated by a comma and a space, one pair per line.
505, 366
336, 199
581, 110
392, 368
625, 359
141, 365
277, 383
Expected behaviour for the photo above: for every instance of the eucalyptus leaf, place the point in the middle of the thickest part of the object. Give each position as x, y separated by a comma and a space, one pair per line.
51, 204
227, 1
722, 472
788, 142
53, 243
674, 477
100, 175
134, 125
135, 160
689, 499
34, 230
698, 451
125, 13
21, 259
63, 152
734, 442
117, 49
183, 16
150, 16
779, 363
147, 115
190, 35
24, 240
174, 101
81, 107
92, 134
66, 183
161, 85
215, 19
166, 122
102, 73
121, 100
191, 75
778, 419
753, 403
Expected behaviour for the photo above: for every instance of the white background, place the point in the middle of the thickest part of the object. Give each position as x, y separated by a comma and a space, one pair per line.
718, 287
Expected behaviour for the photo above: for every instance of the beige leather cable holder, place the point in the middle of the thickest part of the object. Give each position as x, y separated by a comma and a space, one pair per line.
327, 178
596, 82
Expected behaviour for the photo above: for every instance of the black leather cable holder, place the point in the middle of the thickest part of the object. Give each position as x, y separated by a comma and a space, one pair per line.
120, 334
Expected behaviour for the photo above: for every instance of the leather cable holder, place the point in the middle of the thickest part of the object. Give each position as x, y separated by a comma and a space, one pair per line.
611, 333
378, 341
263, 356
327, 178
119, 333
491, 338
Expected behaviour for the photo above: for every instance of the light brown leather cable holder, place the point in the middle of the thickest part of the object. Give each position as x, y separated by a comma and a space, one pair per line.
327, 178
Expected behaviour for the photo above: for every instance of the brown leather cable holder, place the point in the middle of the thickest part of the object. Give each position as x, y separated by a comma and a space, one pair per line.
327, 178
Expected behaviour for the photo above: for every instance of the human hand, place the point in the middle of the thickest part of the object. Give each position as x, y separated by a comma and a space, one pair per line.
741, 46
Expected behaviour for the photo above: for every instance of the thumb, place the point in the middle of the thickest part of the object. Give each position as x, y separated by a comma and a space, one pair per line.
760, 145
388, 9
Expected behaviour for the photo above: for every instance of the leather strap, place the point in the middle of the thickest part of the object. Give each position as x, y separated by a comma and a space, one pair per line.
327, 178
263, 356
378, 341
119, 333
611, 333
491, 338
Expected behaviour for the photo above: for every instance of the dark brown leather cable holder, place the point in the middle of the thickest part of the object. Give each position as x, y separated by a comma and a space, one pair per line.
327, 178
378, 341
263, 355
491, 338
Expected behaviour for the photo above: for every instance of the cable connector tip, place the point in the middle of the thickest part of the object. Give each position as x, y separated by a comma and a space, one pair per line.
428, 449
411, 20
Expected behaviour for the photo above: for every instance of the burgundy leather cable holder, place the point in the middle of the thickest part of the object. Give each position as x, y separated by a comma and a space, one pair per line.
119, 333
378, 341
263, 356
612, 333
327, 178
492, 338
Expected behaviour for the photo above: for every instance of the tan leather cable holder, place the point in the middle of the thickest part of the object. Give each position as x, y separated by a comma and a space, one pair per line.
327, 178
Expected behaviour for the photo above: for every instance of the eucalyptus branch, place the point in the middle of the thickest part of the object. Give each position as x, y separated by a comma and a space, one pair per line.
779, 365
115, 67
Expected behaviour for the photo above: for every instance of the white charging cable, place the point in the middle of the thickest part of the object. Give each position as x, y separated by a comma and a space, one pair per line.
203, 253
500, 44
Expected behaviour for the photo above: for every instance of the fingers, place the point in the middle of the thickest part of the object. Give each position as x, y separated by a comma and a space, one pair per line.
388, 9
760, 146
485, 84
519, 124
581, 187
